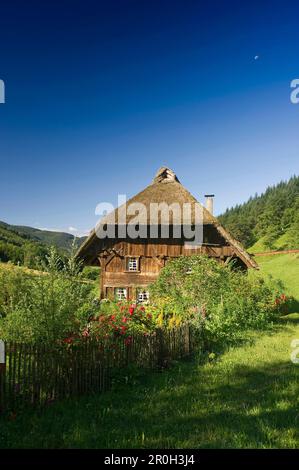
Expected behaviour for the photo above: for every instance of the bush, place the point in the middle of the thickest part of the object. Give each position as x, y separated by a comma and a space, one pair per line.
121, 319
214, 297
44, 307
91, 272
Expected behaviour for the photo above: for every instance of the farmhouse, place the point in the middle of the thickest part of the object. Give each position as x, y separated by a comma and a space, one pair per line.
129, 263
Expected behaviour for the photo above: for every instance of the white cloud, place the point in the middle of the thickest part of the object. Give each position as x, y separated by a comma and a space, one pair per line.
51, 229
72, 230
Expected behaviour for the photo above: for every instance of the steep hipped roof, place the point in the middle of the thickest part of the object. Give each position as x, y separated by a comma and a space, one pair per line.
165, 188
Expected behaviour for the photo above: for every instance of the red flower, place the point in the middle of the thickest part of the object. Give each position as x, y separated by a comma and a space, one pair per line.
149, 315
68, 340
85, 333
128, 340
124, 320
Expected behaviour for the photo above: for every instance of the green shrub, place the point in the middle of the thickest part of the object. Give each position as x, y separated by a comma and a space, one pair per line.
91, 272
214, 297
43, 307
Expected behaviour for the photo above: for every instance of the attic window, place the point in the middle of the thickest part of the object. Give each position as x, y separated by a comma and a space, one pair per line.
120, 293
142, 296
132, 264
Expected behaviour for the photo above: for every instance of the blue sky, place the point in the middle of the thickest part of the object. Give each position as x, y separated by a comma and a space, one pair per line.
99, 95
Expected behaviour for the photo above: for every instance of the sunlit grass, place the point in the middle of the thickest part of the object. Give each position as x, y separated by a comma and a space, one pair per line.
284, 267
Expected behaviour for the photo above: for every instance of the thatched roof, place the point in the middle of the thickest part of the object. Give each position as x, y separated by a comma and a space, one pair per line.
165, 188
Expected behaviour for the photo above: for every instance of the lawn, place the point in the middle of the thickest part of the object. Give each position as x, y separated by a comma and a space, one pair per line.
284, 267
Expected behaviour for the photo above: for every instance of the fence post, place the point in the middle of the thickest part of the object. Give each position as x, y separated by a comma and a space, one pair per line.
2, 374
160, 348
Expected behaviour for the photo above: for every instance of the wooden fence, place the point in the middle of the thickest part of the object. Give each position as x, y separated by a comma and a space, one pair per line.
38, 375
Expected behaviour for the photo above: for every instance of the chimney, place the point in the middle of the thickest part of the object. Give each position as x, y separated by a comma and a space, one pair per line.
209, 202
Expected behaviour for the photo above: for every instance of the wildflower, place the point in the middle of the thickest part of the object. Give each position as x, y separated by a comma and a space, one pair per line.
128, 340
68, 340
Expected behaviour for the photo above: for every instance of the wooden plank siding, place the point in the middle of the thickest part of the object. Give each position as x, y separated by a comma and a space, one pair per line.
152, 256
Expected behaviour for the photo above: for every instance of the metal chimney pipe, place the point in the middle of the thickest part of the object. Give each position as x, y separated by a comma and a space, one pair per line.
210, 202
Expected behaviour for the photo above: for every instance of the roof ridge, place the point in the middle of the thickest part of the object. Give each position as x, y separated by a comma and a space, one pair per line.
165, 175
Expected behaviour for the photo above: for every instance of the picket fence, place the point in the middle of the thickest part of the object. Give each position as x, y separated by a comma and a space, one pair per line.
38, 375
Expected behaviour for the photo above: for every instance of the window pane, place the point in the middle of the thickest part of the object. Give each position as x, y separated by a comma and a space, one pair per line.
121, 293
143, 296
133, 264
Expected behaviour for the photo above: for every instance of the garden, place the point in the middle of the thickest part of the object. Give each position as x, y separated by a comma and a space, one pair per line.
201, 314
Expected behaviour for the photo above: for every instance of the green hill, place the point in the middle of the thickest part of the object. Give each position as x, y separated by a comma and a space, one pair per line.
269, 221
18, 248
61, 240
24, 245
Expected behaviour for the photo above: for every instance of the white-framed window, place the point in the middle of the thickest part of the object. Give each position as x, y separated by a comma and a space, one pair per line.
132, 264
120, 293
142, 296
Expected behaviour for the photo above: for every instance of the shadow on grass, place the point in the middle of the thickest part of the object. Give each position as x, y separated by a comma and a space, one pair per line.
187, 406
294, 306
292, 318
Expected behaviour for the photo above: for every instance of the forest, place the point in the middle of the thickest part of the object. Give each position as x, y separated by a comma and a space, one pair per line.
267, 221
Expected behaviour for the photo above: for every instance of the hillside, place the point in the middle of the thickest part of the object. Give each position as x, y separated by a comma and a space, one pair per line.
25, 245
267, 221
284, 267
19, 248
61, 240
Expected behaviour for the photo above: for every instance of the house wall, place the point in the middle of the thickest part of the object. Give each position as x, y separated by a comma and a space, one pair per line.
152, 254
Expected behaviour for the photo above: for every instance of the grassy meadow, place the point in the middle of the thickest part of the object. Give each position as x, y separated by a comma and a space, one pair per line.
246, 397
284, 267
